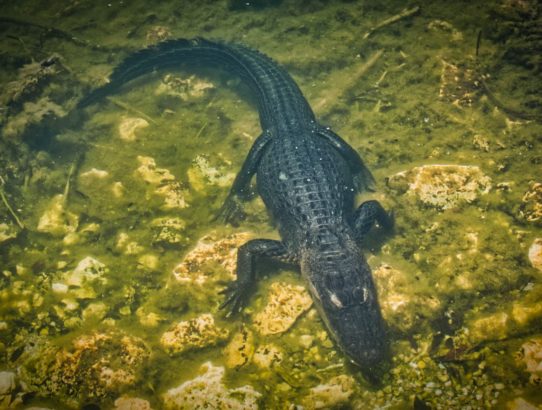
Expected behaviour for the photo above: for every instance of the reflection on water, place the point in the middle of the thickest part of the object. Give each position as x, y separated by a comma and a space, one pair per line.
111, 261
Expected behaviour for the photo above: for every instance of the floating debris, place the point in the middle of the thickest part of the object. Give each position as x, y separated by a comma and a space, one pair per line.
209, 392
286, 303
192, 334
443, 186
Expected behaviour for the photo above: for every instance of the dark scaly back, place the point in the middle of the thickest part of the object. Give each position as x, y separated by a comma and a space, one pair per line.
280, 102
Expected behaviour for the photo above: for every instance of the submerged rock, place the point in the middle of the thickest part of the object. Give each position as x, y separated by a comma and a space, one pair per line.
531, 356
129, 126
240, 349
443, 186
531, 207
286, 303
267, 355
210, 249
201, 174
169, 231
535, 254
209, 392
97, 365
333, 394
163, 181
184, 88
132, 403
7, 232
196, 333
56, 220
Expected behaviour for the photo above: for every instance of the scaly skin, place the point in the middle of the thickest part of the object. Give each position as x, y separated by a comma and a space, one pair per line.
307, 177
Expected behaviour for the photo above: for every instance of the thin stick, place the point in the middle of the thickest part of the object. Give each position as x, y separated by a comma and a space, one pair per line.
6, 203
403, 14
201, 130
128, 107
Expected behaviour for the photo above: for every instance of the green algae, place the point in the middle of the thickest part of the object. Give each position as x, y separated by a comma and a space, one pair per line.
471, 260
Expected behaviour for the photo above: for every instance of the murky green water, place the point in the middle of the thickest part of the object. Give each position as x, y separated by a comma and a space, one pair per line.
112, 263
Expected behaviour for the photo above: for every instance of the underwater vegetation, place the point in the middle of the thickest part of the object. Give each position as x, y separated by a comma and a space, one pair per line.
111, 263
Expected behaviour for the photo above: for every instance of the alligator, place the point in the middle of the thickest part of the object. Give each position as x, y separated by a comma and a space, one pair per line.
308, 177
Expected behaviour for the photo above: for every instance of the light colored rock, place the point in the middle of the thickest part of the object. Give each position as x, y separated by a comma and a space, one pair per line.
201, 174
286, 303
169, 231
156, 34
535, 254
330, 395
531, 207
129, 126
184, 88
87, 270
7, 383
148, 319
127, 246
118, 189
240, 349
401, 300
95, 173
209, 392
267, 355
489, 327
163, 182
132, 403
191, 334
149, 261
443, 186
60, 288
56, 220
210, 249
95, 311
520, 404
531, 356
7, 232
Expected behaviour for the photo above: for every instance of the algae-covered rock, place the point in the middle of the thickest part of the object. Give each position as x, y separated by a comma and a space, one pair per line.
196, 333
132, 403
267, 355
201, 174
56, 220
443, 186
169, 231
531, 357
97, 365
155, 34
128, 127
401, 298
332, 394
286, 303
535, 254
7, 232
163, 182
184, 88
7, 388
88, 270
33, 113
240, 349
210, 249
520, 403
531, 207
209, 392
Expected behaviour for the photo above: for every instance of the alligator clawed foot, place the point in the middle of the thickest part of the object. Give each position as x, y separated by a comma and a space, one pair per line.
231, 212
235, 301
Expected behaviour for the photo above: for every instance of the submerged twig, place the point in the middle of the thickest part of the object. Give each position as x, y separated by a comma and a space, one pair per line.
201, 130
51, 30
8, 206
128, 107
403, 14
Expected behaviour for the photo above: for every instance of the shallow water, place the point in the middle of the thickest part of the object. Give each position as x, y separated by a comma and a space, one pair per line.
449, 126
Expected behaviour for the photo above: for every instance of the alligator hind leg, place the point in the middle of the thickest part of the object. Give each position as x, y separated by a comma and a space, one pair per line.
363, 179
238, 292
232, 208
367, 214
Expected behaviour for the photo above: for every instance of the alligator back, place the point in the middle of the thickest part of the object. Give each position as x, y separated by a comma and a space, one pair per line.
278, 97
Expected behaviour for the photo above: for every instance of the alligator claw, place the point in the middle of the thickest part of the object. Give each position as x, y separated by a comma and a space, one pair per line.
235, 298
231, 211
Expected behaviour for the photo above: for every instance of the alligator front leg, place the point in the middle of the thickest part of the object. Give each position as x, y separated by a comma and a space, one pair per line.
363, 179
238, 292
367, 214
232, 208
